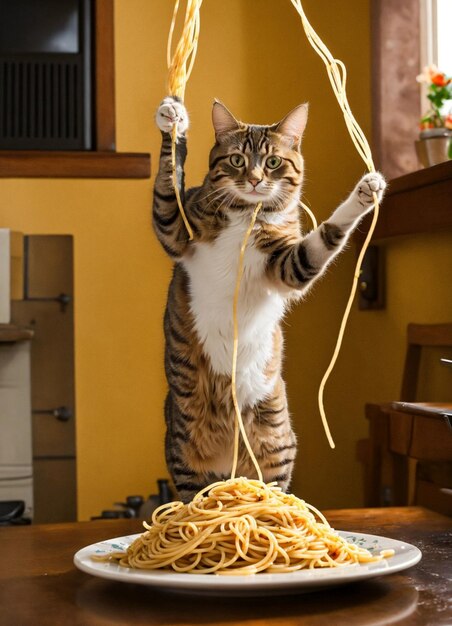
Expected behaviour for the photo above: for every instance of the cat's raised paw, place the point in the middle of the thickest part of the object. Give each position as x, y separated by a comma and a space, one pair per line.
169, 113
367, 186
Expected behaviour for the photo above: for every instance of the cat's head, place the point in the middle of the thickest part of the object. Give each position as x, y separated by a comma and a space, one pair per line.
251, 163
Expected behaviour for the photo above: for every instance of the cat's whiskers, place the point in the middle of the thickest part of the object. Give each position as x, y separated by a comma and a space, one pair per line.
220, 194
283, 199
278, 203
216, 190
229, 200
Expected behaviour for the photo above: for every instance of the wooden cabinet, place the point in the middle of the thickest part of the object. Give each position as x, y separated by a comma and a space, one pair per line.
48, 309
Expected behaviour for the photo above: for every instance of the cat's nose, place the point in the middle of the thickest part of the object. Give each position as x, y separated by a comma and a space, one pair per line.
254, 181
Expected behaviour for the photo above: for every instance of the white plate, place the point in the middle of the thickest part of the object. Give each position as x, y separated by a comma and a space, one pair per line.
405, 556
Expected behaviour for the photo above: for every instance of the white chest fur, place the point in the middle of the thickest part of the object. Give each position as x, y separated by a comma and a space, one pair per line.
213, 273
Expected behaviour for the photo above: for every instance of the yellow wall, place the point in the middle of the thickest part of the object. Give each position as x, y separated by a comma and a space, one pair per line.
254, 57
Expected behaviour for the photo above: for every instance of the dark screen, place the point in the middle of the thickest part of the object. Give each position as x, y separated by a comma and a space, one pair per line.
39, 26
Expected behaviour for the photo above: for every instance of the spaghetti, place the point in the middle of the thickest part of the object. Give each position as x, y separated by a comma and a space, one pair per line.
238, 425
240, 527
243, 526
180, 65
337, 74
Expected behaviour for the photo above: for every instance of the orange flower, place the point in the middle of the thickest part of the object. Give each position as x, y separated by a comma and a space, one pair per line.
448, 121
431, 74
440, 80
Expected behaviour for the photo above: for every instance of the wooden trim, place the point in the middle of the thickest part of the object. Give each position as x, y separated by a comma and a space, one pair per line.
10, 333
430, 334
434, 410
31, 164
421, 178
419, 202
433, 497
410, 372
105, 138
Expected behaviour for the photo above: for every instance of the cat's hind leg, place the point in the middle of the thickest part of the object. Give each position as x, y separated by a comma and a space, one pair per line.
178, 449
273, 439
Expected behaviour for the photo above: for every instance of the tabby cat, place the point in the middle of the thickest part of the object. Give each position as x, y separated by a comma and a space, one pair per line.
248, 164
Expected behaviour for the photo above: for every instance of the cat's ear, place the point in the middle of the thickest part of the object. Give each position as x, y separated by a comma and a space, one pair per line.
292, 126
223, 120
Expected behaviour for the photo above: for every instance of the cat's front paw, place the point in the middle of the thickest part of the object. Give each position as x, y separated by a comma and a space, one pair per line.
367, 186
170, 113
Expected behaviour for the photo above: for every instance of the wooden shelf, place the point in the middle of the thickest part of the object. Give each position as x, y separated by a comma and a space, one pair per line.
37, 164
10, 333
416, 203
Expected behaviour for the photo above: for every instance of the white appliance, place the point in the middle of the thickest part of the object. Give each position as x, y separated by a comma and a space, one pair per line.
11, 271
16, 473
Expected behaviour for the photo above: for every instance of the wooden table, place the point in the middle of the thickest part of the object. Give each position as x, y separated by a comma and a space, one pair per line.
39, 585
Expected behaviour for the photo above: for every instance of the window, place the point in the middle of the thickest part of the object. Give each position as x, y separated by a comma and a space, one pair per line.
436, 42
71, 132
46, 75
443, 39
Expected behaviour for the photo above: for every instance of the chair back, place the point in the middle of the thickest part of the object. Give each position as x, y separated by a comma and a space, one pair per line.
421, 336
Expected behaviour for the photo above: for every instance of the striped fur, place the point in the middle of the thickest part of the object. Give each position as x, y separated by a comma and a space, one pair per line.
281, 264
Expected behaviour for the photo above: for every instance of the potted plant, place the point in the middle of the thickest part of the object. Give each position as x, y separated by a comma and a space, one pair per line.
435, 138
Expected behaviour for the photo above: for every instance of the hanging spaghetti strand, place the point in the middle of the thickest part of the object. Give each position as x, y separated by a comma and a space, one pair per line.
337, 74
180, 65
238, 415
310, 214
176, 182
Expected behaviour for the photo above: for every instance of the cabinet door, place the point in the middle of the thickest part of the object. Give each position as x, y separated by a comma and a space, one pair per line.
48, 309
54, 490
52, 375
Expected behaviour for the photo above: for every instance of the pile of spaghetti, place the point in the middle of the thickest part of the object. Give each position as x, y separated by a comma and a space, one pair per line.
240, 526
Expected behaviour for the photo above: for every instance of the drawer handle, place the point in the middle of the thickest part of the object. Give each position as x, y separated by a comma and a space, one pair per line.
63, 298
62, 413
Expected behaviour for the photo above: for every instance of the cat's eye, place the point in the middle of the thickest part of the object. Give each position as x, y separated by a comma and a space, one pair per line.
273, 162
237, 160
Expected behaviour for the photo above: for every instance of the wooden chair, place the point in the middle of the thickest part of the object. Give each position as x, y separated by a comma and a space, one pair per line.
408, 456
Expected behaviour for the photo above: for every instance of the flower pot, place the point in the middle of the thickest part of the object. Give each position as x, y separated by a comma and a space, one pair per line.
434, 146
